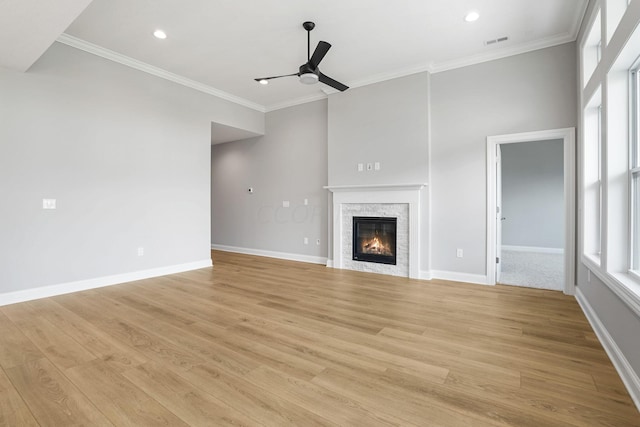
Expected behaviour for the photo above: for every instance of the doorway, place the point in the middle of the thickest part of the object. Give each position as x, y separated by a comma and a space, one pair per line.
531, 226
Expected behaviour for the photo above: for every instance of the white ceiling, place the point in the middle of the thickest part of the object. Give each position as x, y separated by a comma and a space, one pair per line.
29, 27
222, 45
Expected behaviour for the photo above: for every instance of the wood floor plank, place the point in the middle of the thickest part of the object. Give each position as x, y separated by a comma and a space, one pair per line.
192, 405
336, 407
52, 341
13, 410
95, 340
258, 403
15, 348
121, 401
52, 398
260, 341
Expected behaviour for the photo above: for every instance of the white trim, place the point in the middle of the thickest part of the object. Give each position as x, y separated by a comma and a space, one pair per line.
391, 193
271, 254
80, 44
426, 275
534, 249
377, 187
453, 276
438, 67
330, 263
503, 53
568, 136
621, 284
625, 370
98, 282
294, 102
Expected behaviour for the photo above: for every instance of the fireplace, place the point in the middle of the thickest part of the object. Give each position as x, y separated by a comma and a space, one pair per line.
374, 239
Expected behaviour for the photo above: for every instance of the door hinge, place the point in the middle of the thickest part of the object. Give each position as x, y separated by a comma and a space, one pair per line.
497, 260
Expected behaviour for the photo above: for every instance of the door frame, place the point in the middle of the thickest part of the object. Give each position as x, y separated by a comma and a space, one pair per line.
568, 137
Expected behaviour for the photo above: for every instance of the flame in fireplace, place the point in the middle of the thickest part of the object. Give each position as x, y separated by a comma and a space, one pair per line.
377, 247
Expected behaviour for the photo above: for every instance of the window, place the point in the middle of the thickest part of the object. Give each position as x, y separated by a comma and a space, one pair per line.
615, 11
593, 178
634, 171
591, 50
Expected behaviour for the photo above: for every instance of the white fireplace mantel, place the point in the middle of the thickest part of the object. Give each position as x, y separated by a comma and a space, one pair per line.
378, 187
409, 194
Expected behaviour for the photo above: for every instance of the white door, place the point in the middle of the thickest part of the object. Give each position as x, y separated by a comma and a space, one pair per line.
499, 217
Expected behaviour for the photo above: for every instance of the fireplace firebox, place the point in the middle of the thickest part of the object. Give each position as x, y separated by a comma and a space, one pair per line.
374, 239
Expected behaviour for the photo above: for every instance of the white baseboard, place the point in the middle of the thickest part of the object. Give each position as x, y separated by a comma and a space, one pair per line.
425, 275
629, 376
98, 282
453, 276
533, 249
330, 263
271, 254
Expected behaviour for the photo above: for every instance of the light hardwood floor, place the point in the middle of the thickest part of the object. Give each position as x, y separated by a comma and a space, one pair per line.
259, 341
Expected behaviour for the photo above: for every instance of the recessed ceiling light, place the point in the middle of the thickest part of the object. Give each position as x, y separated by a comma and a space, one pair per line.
159, 34
472, 16
264, 82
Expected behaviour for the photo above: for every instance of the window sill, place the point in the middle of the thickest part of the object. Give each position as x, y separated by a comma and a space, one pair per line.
625, 285
592, 262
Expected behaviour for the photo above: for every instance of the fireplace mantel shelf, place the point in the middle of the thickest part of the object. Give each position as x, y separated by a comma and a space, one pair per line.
375, 187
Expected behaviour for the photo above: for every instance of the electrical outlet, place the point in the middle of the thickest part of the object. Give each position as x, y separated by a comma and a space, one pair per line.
306, 202
459, 253
306, 240
285, 203
376, 166
140, 251
360, 167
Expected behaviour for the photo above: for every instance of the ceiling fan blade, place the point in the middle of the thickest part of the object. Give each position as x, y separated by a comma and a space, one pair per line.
319, 53
275, 77
333, 83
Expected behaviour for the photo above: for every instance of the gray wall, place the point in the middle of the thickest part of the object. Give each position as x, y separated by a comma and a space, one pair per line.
529, 92
533, 194
385, 122
125, 154
288, 163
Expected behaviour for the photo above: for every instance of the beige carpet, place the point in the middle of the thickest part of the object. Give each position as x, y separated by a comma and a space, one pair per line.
532, 270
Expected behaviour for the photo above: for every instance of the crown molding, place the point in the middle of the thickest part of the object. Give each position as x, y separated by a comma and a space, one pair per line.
296, 101
503, 53
155, 71
437, 67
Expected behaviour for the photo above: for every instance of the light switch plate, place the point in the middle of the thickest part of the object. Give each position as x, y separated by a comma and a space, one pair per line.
48, 203
285, 203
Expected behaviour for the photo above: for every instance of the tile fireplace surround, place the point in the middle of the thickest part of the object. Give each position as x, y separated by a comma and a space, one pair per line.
400, 201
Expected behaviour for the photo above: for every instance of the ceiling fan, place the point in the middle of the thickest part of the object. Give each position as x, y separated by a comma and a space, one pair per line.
309, 72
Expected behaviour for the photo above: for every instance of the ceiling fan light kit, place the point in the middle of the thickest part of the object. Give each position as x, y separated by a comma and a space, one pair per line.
309, 78
309, 73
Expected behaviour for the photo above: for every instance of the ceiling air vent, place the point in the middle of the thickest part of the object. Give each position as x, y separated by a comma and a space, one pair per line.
494, 41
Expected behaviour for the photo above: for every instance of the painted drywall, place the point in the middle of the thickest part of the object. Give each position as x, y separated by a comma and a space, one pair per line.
533, 194
126, 156
385, 122
612, 311
528, 92
288, 163
388, 123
